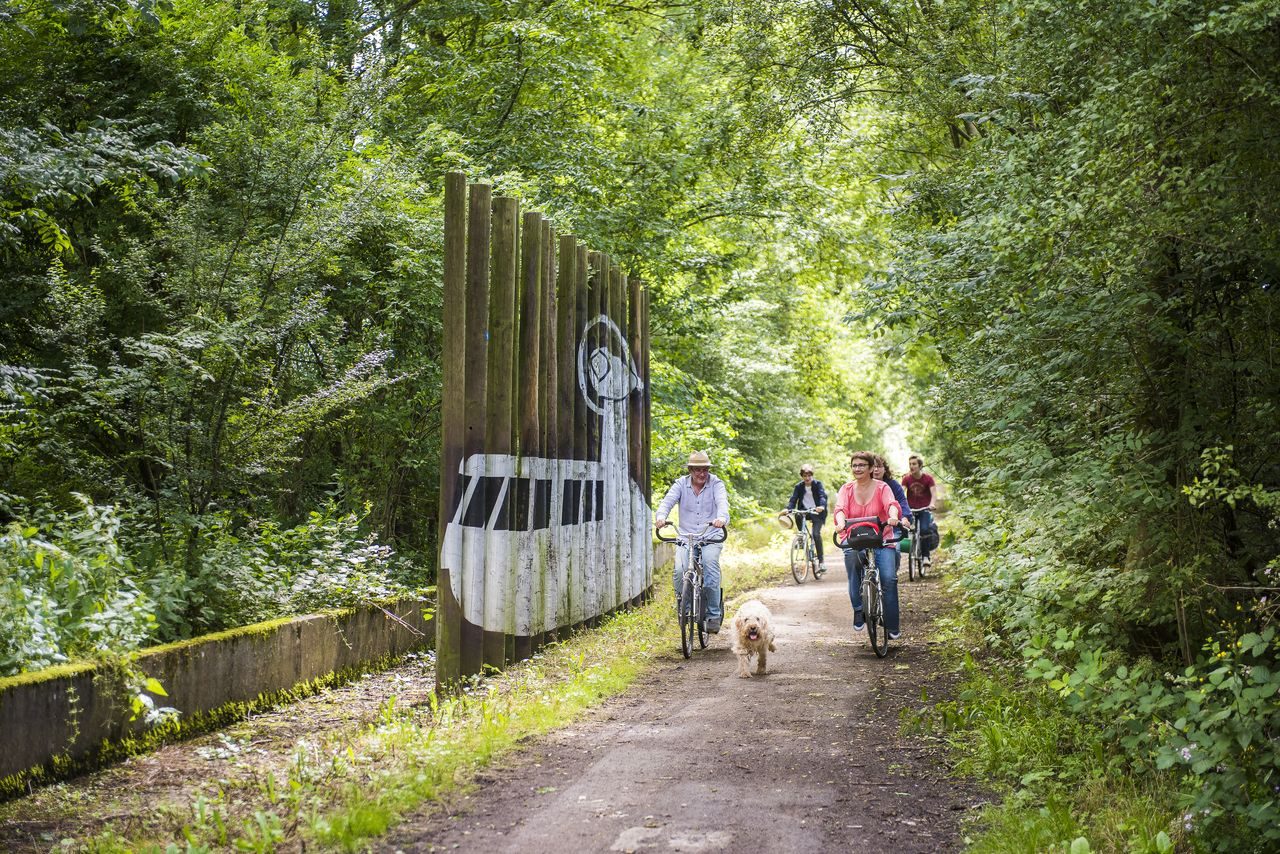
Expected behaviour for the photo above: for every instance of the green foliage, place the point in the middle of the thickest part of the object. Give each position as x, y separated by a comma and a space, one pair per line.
67, 589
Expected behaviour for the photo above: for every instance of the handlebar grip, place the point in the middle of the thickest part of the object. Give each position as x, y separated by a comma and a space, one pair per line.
658, 534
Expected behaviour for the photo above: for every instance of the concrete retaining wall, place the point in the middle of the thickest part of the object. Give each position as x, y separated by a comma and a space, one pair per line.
71, 713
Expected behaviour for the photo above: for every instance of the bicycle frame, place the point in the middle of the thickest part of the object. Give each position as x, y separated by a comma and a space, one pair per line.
805, 543
870, 589
691, 608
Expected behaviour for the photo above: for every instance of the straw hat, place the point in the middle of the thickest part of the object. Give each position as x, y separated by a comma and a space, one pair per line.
699, 458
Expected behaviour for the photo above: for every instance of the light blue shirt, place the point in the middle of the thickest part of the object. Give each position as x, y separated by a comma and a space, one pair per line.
696, 509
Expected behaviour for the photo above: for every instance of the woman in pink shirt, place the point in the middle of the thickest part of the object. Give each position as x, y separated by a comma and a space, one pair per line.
866, 496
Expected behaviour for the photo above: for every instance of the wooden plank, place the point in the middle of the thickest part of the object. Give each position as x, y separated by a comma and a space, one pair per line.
500, 424
476, 335
452, 420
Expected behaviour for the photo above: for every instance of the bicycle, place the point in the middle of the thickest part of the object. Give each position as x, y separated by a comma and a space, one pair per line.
915, 555
691, 607
872, 593
804, 553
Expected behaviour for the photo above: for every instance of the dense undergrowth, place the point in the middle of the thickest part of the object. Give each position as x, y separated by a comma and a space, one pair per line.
1090, 740
70, 588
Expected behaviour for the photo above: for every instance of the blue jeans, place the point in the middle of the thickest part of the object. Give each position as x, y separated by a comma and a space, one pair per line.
924, 526
710, 576
815, 528
887, 563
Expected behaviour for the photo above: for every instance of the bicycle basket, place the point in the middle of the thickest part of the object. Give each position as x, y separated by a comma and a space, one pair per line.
863, 537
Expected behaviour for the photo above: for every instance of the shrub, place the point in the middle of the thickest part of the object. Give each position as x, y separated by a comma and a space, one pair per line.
66, 589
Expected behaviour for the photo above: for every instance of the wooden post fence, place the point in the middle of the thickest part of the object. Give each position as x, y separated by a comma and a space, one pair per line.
544, 483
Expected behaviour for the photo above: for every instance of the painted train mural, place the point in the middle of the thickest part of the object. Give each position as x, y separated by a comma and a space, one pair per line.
544, 480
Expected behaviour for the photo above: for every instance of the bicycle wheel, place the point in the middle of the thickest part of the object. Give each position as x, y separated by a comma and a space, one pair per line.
913, 561
875, 625
811, 558
798, 566
686, 619
918, 551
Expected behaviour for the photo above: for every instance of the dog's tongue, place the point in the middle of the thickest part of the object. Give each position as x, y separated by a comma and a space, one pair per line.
753, 634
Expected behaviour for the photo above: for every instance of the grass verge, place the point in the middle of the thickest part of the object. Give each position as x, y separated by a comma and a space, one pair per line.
1063, 786
342, 789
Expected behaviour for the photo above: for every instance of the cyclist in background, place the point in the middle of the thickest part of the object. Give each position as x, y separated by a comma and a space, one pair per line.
880, 471
864, 496
809, 494
702, 500
922, 494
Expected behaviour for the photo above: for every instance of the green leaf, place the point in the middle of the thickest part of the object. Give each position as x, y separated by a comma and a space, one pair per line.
153, 685
1080, 845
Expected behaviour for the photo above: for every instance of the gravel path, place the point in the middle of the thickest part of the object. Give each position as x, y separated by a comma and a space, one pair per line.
692, 758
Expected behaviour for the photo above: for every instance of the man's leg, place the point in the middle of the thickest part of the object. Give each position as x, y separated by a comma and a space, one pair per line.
677, 571
926, 533
816, 525
711, 581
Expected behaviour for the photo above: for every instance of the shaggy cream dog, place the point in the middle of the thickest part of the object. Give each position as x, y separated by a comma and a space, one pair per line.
752, 635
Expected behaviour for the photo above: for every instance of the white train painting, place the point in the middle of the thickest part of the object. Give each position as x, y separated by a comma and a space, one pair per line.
538, 542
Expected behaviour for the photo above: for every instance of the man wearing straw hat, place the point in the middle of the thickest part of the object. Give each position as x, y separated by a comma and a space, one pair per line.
702, 500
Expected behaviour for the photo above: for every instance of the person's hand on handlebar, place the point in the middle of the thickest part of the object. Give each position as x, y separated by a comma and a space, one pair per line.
659, 524
717, 523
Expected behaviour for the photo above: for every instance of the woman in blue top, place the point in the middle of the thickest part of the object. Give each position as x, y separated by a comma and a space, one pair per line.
880, 471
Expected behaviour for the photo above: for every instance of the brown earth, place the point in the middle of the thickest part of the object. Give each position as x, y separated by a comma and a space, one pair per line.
810, 757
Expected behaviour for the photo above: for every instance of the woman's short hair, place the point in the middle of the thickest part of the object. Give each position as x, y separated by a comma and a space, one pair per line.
866, 456
806, 469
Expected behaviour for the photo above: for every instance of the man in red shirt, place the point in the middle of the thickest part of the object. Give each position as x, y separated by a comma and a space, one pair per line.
921, 495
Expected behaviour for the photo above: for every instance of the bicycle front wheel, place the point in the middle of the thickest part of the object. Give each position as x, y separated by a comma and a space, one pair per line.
798, 565
811, 558
875, 624
686, 619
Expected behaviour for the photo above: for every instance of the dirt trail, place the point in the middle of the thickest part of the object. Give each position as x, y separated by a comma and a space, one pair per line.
693, 758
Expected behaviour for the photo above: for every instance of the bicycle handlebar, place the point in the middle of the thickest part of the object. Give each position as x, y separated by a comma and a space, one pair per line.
812, 511
702, 538
857, 520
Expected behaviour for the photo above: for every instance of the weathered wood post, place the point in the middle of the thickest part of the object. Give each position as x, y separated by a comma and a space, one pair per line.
500, 429
476, 336
581, 439
566, 395
635, 424
452, 420
531, 566
546, 587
